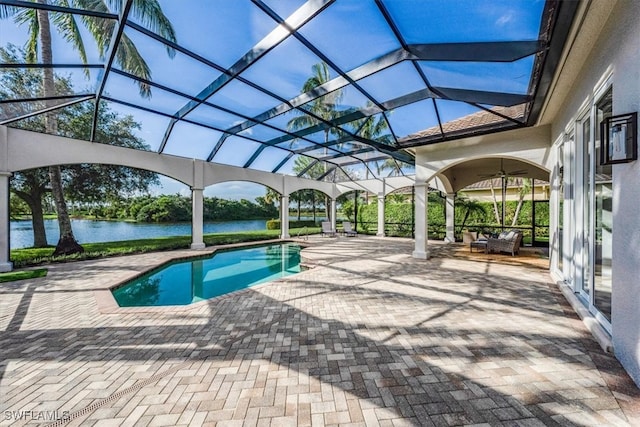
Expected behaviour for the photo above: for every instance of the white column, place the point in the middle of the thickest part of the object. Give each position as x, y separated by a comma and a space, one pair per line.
421, 221
333, 214
380, 215
450, 218
5, 264
284, 217
197, 226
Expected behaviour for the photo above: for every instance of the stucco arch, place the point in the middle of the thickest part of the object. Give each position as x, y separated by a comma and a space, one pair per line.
377, 186
532, 146
216, 173
29, 150
293, 184
23, 150
304, 188
251, 182
463, 173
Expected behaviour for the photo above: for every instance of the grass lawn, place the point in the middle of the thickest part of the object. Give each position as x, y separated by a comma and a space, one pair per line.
35, 256
21, 275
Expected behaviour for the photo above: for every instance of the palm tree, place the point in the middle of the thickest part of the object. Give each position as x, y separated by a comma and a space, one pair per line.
303, 163
525, 188
391, 165
39, 23
495, 200
469, 206
324, 107
372, 128
272, 196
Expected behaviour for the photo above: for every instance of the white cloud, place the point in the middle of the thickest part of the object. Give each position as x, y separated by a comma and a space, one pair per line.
505, 18
234, 190
170, 186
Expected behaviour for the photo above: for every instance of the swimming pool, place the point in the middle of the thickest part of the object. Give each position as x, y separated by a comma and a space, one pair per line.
190, 281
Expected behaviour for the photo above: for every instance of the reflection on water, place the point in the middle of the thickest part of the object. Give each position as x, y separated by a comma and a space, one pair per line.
186, 282
147, 292
88, 231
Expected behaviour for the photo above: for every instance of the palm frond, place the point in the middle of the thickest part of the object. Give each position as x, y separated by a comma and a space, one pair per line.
150, 14
95, 5
68, 29
31, 47
385, 139
132, 62
113, 5
101, 29
311, 83
300, 122
8, 11
29, 16
380, 126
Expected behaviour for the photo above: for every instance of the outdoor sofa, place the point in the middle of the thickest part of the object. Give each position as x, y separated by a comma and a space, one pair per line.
507, 241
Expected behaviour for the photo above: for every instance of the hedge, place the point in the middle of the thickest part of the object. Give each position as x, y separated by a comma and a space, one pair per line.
274, 224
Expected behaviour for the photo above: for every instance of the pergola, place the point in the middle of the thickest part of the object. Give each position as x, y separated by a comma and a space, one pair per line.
228, 88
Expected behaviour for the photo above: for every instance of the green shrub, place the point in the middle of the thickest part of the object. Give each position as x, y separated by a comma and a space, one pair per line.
274, 224
22, 275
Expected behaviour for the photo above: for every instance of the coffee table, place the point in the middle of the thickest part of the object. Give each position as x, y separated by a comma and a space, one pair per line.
478, 244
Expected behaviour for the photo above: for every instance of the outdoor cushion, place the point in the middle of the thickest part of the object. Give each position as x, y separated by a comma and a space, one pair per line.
504, 244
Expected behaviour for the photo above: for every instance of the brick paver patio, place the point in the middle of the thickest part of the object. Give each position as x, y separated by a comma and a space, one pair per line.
369, 336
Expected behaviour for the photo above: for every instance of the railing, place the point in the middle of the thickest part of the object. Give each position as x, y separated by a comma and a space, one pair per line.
537, 235
392, 229
438, 231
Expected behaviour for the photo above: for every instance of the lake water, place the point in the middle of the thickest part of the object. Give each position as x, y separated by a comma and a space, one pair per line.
88, 231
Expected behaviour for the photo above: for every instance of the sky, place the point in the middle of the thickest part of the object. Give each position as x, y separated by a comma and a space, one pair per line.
233, 190
349, 32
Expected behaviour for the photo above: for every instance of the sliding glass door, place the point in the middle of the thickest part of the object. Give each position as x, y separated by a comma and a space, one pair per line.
595, 221
603, 219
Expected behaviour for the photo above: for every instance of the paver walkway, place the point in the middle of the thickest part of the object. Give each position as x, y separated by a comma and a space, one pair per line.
368, 337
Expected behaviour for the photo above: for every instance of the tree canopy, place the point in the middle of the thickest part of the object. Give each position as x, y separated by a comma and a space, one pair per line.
82, 183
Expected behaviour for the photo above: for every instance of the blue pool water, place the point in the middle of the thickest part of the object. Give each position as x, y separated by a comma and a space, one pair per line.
186, 282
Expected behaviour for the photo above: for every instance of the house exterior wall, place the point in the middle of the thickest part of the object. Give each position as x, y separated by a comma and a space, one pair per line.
605, 50
529, 144
541, 193
615, 53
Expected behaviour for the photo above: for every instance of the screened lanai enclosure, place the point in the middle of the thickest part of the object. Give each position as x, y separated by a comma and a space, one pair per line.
347, 85
336, 92
355, 98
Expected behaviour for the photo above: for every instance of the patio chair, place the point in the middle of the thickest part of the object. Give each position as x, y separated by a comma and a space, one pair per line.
327, 230
506, 242
347, 230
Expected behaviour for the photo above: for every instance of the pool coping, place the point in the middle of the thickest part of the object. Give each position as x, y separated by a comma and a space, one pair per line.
107, 304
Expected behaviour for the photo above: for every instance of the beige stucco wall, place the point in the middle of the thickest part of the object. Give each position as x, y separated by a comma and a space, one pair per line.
531, 145
615, 51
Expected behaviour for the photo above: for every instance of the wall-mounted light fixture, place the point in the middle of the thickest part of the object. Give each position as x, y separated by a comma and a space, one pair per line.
619, 139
